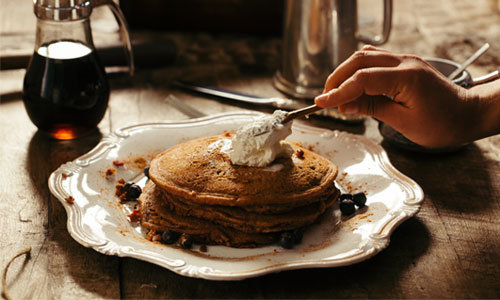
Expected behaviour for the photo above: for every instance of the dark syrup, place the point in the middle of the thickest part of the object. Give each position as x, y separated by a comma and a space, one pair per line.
66, 95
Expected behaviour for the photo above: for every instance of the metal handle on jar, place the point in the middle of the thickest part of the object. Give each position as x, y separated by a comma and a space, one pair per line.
386, 29
117, 12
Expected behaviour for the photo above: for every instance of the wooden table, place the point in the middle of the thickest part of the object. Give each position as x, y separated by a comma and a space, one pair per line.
449, 250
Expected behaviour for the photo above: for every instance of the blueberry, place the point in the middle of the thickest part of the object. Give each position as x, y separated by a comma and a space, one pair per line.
146, 172
169, 237
134, 191
186, 241
127, 185
297, 235
347, 207
286, 240
345, 196
359, 199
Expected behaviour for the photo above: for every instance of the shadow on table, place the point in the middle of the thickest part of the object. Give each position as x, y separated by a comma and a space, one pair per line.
373, 278
459, 181
461, 189
44, 156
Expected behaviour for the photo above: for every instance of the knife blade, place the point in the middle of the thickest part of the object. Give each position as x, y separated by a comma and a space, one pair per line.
276, 102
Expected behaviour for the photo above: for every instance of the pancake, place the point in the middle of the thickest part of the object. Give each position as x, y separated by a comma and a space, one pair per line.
202, 231
244, 220
200, 172
196, 190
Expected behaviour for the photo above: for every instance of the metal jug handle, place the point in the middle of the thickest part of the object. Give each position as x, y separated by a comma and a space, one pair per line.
386, 29
124, 32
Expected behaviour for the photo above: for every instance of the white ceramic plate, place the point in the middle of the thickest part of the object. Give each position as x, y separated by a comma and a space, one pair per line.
97, 220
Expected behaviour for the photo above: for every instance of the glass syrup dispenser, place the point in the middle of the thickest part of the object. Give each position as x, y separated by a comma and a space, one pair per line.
65, 89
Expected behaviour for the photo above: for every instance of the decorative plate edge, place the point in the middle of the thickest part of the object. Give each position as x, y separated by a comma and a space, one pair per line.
73, 212
128, 130
378, 240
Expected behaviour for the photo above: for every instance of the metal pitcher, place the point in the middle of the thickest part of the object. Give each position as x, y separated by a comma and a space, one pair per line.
319, 35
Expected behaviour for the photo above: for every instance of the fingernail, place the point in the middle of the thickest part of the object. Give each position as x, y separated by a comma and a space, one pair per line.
321, 98
349, 108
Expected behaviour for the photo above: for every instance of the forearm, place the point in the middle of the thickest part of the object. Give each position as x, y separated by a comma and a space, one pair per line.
488, 97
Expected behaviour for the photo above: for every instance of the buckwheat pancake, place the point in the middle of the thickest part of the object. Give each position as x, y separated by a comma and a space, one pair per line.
195, 189
200, 171
202, 231
241, 219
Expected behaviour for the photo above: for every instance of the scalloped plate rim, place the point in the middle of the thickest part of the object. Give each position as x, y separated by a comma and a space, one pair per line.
127, 251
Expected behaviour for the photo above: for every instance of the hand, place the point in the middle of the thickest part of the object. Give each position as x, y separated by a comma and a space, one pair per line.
407, 93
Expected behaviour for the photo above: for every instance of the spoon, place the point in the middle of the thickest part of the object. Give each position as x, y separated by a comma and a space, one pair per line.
293, 115
469, 61
300, 113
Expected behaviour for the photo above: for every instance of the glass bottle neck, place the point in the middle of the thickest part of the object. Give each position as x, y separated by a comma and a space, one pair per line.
73, 36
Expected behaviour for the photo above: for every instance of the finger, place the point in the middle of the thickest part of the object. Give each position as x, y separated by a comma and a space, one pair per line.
373, 48
380, 107
371, 81
360, 60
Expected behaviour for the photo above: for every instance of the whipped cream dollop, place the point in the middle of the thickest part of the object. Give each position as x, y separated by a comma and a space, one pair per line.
258, 143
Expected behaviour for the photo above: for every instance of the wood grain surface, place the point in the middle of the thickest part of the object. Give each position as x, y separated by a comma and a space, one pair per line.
449, 250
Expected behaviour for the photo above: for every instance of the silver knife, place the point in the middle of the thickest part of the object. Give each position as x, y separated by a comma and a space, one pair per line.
276, 102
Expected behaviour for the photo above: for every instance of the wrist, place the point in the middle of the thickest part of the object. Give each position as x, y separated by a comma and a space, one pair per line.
486, 98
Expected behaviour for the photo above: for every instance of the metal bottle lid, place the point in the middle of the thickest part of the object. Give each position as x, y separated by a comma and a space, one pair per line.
62, 10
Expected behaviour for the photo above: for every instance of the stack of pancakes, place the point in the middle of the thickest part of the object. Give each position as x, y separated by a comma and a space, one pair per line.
196, 190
